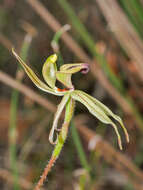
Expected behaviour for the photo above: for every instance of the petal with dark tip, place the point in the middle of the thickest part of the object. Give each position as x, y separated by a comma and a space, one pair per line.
85, 68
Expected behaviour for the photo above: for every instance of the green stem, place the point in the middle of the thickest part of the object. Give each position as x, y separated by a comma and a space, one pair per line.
61, 140
81, 153
78, 26
55, 43
13, 122
75, 135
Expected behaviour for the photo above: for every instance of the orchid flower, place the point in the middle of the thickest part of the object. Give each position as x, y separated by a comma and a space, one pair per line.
70, 95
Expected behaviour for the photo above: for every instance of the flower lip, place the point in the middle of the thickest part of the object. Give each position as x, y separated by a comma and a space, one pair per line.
85, 68
64, 89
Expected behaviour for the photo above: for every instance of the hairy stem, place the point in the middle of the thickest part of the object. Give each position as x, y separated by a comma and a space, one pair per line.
61, 140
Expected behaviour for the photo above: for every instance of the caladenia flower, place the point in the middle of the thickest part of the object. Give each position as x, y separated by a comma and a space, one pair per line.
70, 95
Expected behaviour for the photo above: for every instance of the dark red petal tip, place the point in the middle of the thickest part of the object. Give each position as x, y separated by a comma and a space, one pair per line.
85, 68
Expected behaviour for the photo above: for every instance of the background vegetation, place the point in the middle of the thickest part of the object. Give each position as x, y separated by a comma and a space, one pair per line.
107, 34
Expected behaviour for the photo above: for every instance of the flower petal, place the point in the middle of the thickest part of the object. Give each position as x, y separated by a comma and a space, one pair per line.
74, 68
65, 126
57, 116
109, 113
95, 110
66, 71
34, 77
64, 78
49, 70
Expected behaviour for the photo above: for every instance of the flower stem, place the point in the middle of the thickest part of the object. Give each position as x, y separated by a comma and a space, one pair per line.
61, 140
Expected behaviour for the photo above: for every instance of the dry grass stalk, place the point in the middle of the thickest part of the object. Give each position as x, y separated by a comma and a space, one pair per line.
6, 175
9, 81
119, 161
55, 26
40, 129
5, 42
6, 79
123, 31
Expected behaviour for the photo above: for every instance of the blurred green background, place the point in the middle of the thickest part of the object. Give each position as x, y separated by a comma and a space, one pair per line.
107, 34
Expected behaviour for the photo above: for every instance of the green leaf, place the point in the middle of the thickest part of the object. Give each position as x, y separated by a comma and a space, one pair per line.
49, 70
95, 110
34, 77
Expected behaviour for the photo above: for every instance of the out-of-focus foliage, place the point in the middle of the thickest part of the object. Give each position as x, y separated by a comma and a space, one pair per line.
110, 33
